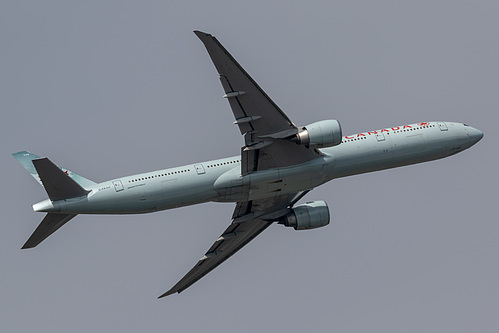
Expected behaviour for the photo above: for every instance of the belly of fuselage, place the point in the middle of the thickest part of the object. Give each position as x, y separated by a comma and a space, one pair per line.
231, 187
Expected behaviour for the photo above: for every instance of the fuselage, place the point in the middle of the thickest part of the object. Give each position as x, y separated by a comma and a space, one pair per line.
220, 180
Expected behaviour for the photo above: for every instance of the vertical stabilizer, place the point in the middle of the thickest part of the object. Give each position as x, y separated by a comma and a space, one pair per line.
26, 159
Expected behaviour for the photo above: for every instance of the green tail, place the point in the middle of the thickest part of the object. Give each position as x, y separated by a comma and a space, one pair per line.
26, 159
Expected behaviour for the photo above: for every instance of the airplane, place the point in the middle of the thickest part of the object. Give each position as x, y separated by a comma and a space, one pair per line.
279, 164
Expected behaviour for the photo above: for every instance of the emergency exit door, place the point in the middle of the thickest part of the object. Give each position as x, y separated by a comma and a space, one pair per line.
118, 185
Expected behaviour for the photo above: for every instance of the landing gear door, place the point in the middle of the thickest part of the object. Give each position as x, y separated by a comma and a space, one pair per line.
118, 186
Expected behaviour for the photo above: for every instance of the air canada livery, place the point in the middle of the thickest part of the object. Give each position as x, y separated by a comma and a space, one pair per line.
279, 164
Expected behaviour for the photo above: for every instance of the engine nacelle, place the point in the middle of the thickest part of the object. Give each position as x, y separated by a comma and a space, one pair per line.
311, 215
325, 133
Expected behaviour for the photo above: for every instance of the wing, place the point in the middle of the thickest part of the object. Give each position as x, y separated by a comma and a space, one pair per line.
250, 219
267, 132
265, 127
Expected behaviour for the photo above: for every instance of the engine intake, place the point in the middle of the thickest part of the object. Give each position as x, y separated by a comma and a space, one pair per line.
325, 133
311, 215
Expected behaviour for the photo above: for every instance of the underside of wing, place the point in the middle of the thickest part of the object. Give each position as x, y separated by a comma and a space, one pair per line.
249, 220
232, 240
252, 108
268, 135
267, 130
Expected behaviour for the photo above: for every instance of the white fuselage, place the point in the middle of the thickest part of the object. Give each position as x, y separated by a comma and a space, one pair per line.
221, 180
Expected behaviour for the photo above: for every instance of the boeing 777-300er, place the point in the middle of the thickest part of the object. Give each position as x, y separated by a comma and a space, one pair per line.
278, 165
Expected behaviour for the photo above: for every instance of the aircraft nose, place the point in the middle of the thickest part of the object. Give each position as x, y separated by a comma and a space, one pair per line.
474, 134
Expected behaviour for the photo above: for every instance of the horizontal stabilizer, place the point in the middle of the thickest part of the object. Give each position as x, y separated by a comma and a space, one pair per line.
47, 227
59, 185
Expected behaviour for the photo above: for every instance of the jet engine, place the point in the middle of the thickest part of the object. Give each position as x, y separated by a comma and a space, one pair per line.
325, 133
311, 215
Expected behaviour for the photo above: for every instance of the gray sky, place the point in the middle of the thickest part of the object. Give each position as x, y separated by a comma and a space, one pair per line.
113, 88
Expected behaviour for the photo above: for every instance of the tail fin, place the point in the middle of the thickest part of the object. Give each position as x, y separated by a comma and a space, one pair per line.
60, 184
26, 158
47, 227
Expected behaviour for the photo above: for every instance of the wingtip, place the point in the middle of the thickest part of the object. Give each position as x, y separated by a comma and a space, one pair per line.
197, 32
169, 292
29, 244
202, 34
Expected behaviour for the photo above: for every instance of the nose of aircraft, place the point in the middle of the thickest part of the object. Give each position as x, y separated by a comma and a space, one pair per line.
474, 134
